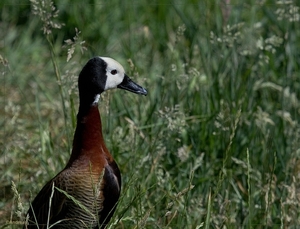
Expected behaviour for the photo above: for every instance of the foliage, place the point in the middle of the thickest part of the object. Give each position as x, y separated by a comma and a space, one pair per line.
215, 144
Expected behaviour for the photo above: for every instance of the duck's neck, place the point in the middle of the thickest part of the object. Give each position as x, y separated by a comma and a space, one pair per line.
88, 140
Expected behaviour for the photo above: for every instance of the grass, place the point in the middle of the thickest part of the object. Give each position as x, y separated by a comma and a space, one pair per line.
215, 144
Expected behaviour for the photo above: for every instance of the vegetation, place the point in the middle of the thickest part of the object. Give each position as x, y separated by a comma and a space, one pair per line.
215, 144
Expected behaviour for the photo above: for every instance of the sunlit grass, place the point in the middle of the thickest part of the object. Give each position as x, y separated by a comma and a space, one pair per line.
215, 144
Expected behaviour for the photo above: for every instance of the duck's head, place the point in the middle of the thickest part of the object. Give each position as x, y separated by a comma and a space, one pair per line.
104, 73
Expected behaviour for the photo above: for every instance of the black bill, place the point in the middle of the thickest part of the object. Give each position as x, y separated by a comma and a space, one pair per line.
129, 85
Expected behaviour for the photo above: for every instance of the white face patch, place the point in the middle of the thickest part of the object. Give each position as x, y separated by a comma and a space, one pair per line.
115, 73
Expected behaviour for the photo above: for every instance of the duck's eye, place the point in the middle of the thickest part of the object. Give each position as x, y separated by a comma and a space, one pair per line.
113, 72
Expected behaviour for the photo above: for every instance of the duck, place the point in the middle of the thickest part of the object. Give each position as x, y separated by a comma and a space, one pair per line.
86, 192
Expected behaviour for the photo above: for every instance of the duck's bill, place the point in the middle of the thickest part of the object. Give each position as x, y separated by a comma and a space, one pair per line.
129, 85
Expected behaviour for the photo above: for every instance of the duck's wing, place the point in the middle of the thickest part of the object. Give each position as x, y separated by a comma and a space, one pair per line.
48, 206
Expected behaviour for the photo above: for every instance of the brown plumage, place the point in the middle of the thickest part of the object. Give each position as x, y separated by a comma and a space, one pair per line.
85, 193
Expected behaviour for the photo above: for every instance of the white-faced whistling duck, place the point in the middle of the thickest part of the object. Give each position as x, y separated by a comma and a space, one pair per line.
85, 193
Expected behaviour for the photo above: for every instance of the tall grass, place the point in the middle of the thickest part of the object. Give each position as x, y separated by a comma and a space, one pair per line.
215, 144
